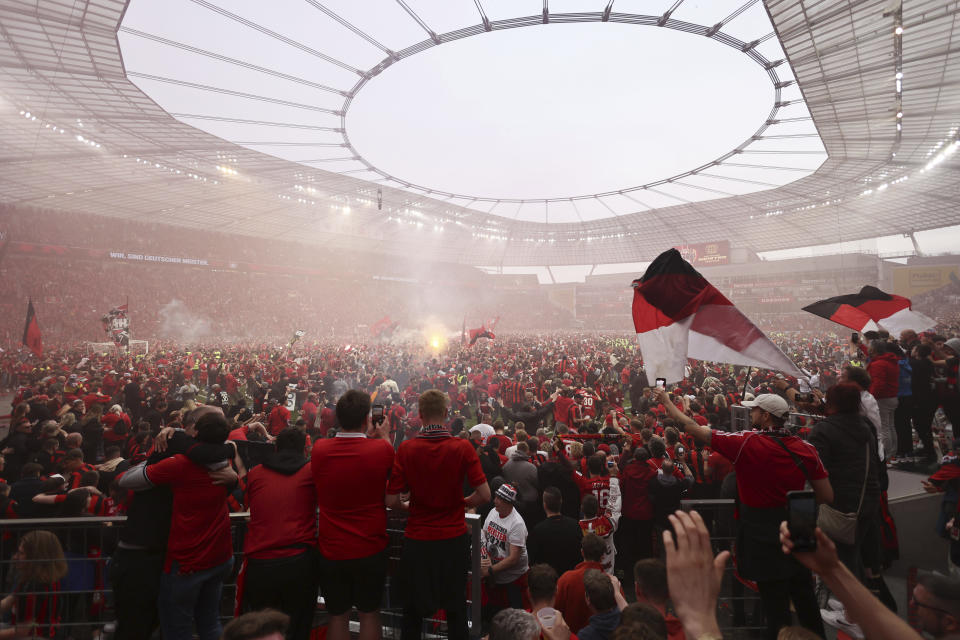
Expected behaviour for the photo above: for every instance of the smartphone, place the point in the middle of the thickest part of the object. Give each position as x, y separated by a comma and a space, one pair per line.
802, 519
855, 337
661, 383
609, 464
377, 413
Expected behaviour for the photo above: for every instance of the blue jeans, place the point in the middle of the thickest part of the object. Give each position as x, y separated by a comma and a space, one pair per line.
192, 598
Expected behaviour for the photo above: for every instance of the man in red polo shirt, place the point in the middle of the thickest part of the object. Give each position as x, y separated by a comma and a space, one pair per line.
350, 476
436, 547
768, 462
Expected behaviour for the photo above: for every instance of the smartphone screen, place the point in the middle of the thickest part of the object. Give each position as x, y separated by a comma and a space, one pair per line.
378, 411
802, 519
855, 337
661, 383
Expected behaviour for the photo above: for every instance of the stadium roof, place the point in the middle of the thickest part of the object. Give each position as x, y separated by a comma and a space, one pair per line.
77, 134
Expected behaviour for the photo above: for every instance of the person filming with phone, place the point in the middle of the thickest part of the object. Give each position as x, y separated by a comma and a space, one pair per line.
769, 463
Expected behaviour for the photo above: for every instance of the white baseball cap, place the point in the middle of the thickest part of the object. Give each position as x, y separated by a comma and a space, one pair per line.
771, 403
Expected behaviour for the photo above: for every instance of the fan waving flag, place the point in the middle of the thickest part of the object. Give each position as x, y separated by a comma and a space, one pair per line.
679, 315
871, 309
31, 332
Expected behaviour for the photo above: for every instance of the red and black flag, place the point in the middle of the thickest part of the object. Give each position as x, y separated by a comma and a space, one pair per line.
871, 309
31, 332
679, 315
482, 332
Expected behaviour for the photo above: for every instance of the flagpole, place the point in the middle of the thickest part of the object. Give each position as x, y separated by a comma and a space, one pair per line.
746, 381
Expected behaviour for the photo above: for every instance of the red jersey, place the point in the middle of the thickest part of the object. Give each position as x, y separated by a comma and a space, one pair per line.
350, 476
200, 528
433, 466
283, 512
599, 486
590, 404
765, 472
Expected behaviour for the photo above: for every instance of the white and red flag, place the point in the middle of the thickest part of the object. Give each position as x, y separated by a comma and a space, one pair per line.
679, 315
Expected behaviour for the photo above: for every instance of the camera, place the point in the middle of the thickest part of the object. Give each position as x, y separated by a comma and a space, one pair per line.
805, 397
378, 414
680, 452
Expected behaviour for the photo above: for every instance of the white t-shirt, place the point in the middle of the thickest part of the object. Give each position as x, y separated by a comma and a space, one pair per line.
498, 535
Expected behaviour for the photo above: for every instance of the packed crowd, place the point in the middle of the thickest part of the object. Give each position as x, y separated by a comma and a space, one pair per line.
243, 276
574, 462
70, 296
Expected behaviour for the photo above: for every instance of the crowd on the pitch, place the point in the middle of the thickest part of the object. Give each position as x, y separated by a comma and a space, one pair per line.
574, 462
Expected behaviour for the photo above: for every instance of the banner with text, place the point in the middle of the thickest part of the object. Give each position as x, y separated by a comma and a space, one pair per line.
706, 254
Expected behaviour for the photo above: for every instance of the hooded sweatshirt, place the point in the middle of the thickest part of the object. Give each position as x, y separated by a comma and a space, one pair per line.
283, 507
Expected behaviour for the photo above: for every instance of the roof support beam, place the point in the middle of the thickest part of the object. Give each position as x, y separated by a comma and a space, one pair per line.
228, 92
712, 31
669, 12
419, 21
483, 16
360, 32
607, 10
229, 60
276, 36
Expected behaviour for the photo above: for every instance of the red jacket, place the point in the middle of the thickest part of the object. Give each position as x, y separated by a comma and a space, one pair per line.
884, 376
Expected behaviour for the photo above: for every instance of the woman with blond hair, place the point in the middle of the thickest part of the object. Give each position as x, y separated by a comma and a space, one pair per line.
35, 605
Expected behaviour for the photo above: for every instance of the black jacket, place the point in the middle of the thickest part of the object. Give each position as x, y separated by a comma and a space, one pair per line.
556, 541
840, 440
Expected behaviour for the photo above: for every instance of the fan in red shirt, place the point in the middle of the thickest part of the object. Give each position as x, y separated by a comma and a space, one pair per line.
434, 561
309, 411
200, 550
594, 483
769, 463
590, 404
280, 558
350, 476
571, 600
279, 419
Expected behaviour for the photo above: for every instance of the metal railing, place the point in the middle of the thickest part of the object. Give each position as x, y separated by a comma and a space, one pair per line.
738, 607
86, 596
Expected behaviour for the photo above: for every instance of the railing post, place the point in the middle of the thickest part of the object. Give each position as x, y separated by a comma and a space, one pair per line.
473, 521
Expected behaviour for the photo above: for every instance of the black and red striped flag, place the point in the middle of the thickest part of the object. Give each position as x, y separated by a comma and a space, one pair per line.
679, 315
31, 332
871, 309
